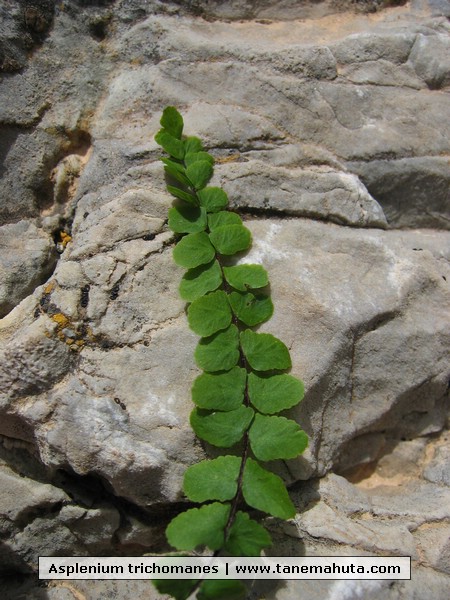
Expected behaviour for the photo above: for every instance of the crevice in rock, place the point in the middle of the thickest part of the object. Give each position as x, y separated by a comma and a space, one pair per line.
61, 170
402, 184
271, 213
37, 277
355, 336
380, 320
99, 27
263, 213
53, 186
268, 11
96, 3
92, 489
88, 491
16, 574
45, 510
383, 445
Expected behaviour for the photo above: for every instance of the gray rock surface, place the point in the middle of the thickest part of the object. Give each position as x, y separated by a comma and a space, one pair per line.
381, 506
438, 470
23, 26
28, 257
345, 321
430, 59
316, 192
330, 130
38, 518
402, 187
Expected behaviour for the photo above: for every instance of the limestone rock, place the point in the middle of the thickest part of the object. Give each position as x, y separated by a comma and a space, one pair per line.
330, 131
364, 47
39, 519
430, 59
22, 28
32, 362
93, 528
438, 470
113, 590
333, 516
318, 297
21, 497
382, 72
409, 501
27, 259
435, 544
45, 112
377, 537
348, 293
132, 418
26, 195
318, 192
329, 512
402, 187
122, 219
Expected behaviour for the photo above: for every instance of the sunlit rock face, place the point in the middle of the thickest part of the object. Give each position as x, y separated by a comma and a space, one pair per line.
329, 123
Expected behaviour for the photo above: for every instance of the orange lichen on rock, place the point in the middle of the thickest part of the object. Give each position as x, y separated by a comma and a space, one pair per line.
61, 320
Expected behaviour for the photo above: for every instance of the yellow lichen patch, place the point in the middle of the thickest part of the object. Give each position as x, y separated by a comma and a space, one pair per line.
75, 334
61, 320
228, 159
62, 238
76, 345
65, 238
49, 287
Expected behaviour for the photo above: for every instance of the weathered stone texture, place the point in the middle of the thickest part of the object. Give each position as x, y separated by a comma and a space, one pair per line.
28, 257
331, 134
